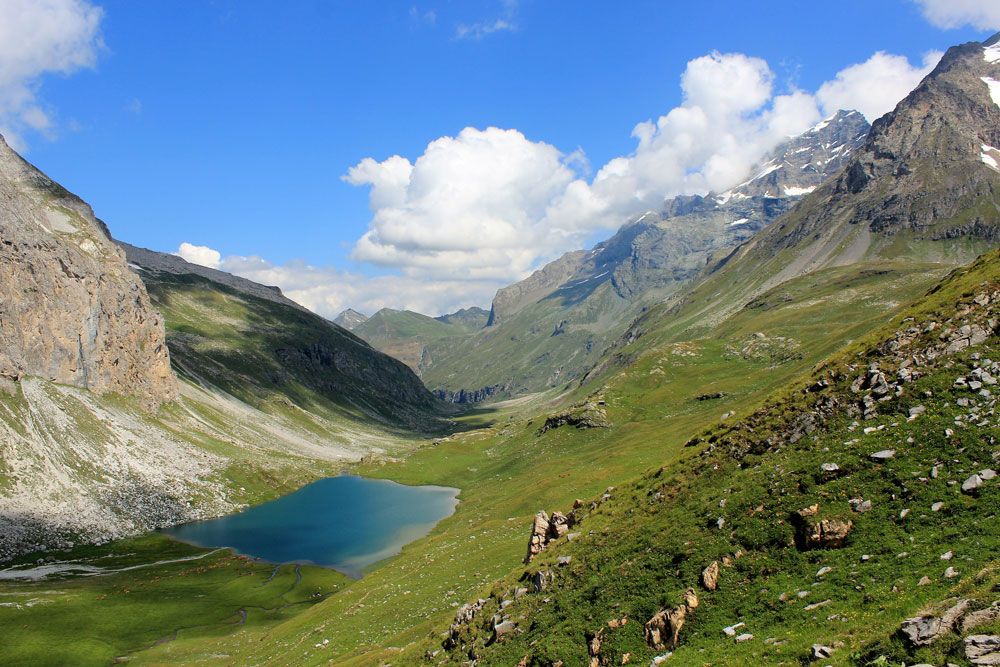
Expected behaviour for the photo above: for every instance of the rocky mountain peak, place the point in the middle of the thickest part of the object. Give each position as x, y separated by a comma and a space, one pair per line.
936, 152
797, 166
350, 319
924, 185
70, 309
648, 250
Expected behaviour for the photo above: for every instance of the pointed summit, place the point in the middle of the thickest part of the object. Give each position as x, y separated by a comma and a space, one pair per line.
350, 319
924, 185
799, 165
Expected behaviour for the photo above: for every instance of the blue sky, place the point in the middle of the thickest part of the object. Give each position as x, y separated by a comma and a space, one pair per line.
231, 124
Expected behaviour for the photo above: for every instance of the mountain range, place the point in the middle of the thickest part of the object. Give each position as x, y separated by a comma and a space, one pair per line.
141, 391
753, 427
548, 329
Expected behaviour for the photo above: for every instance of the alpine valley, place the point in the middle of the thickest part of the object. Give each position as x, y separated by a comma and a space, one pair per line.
752, 427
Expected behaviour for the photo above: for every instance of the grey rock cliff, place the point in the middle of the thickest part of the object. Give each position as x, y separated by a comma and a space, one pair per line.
70, 309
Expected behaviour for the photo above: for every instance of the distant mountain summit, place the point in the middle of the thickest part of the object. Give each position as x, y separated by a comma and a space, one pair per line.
550, 327
660, 249
798, 166
350, 319
469, 318
408, 336
926, 176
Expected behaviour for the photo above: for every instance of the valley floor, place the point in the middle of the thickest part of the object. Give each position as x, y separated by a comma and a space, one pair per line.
507, 470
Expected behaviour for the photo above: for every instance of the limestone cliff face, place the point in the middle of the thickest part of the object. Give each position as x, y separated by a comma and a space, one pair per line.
70, 309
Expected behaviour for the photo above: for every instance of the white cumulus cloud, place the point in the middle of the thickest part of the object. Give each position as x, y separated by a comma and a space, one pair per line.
200, 254
39, 37
981, 14
469, 206
493, 204
875, 86
484, 208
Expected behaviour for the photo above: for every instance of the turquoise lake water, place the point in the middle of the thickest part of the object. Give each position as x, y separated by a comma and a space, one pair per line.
346, 523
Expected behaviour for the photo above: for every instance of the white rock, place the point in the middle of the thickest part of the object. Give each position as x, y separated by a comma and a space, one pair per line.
731, 630
819, 651
972, 484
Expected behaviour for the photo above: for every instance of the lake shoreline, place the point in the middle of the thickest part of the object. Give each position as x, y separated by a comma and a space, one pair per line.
348, 523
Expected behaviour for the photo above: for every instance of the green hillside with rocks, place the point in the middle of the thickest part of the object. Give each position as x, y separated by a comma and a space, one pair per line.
755, 427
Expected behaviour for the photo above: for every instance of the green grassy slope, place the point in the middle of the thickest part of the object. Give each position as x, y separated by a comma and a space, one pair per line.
546, 345
641, 549
387, 325
507, 471
406, 335
173, 591
265, 352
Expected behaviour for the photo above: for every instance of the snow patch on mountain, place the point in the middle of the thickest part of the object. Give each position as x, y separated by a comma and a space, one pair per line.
989, 157
991, 54
792, 191
994, 87
822, 124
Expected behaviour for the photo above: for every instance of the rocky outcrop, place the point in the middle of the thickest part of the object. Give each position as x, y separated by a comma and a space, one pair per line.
983, 650
925, 630
470, 396
710, 576
981, 617
463, 618
546, 529
815, 533
663, 630
594, 641
587, 415
70, 309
